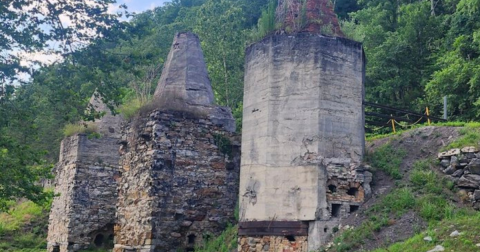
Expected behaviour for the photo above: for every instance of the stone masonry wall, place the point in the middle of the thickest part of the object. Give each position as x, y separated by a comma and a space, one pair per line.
83, 213
273, 244
179, 183
462, 167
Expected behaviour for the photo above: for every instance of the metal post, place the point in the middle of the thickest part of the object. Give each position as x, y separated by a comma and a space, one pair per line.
445, 107
428, 116
393, 124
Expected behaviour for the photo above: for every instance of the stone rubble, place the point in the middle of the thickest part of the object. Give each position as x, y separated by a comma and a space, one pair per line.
438, 248
462, 167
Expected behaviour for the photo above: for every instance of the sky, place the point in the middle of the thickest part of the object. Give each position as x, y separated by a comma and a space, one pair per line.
139, 5
133, 6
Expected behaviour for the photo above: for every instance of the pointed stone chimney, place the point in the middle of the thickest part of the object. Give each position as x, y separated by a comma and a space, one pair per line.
109, 124
314, 16
184, 81
185, 86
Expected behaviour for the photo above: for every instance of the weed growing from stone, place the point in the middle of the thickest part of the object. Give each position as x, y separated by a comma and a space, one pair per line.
79, 128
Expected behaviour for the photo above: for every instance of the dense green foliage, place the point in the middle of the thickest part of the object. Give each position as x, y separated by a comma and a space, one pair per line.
30, 26
24, 228
419, 51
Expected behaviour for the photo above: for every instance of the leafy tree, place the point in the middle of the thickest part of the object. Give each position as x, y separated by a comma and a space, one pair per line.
30, 114
29, 26
458, 64
400, 42
223, 41
20, 166
344, 7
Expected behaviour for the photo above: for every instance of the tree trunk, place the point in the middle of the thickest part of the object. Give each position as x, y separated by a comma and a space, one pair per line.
432, 7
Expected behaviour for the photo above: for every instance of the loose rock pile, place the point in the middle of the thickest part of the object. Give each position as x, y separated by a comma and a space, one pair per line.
462, 166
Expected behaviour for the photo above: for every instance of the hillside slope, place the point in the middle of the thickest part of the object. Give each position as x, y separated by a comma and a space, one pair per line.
411, 196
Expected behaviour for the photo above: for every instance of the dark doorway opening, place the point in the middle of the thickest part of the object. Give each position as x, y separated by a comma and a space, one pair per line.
191, 239
98, 240
353, 208
332, 188
336, 210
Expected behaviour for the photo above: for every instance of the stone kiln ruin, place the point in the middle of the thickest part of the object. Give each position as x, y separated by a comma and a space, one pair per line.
177, 183
83, 213
302, 139
180, 162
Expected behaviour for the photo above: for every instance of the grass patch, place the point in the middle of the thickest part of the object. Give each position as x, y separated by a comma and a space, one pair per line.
19, 215
425, 180
468, 223
225, 242
458, 124
376, 136
469, 136
387, 159
135, 106
24, 228
88, 128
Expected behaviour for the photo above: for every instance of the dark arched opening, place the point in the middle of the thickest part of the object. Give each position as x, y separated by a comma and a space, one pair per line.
98, 240
336, 210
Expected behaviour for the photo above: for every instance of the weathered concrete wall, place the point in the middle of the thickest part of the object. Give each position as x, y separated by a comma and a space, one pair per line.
179, 183
302, 129
84, 212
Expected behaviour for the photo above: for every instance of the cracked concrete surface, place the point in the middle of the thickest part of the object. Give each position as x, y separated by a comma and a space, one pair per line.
302, 129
